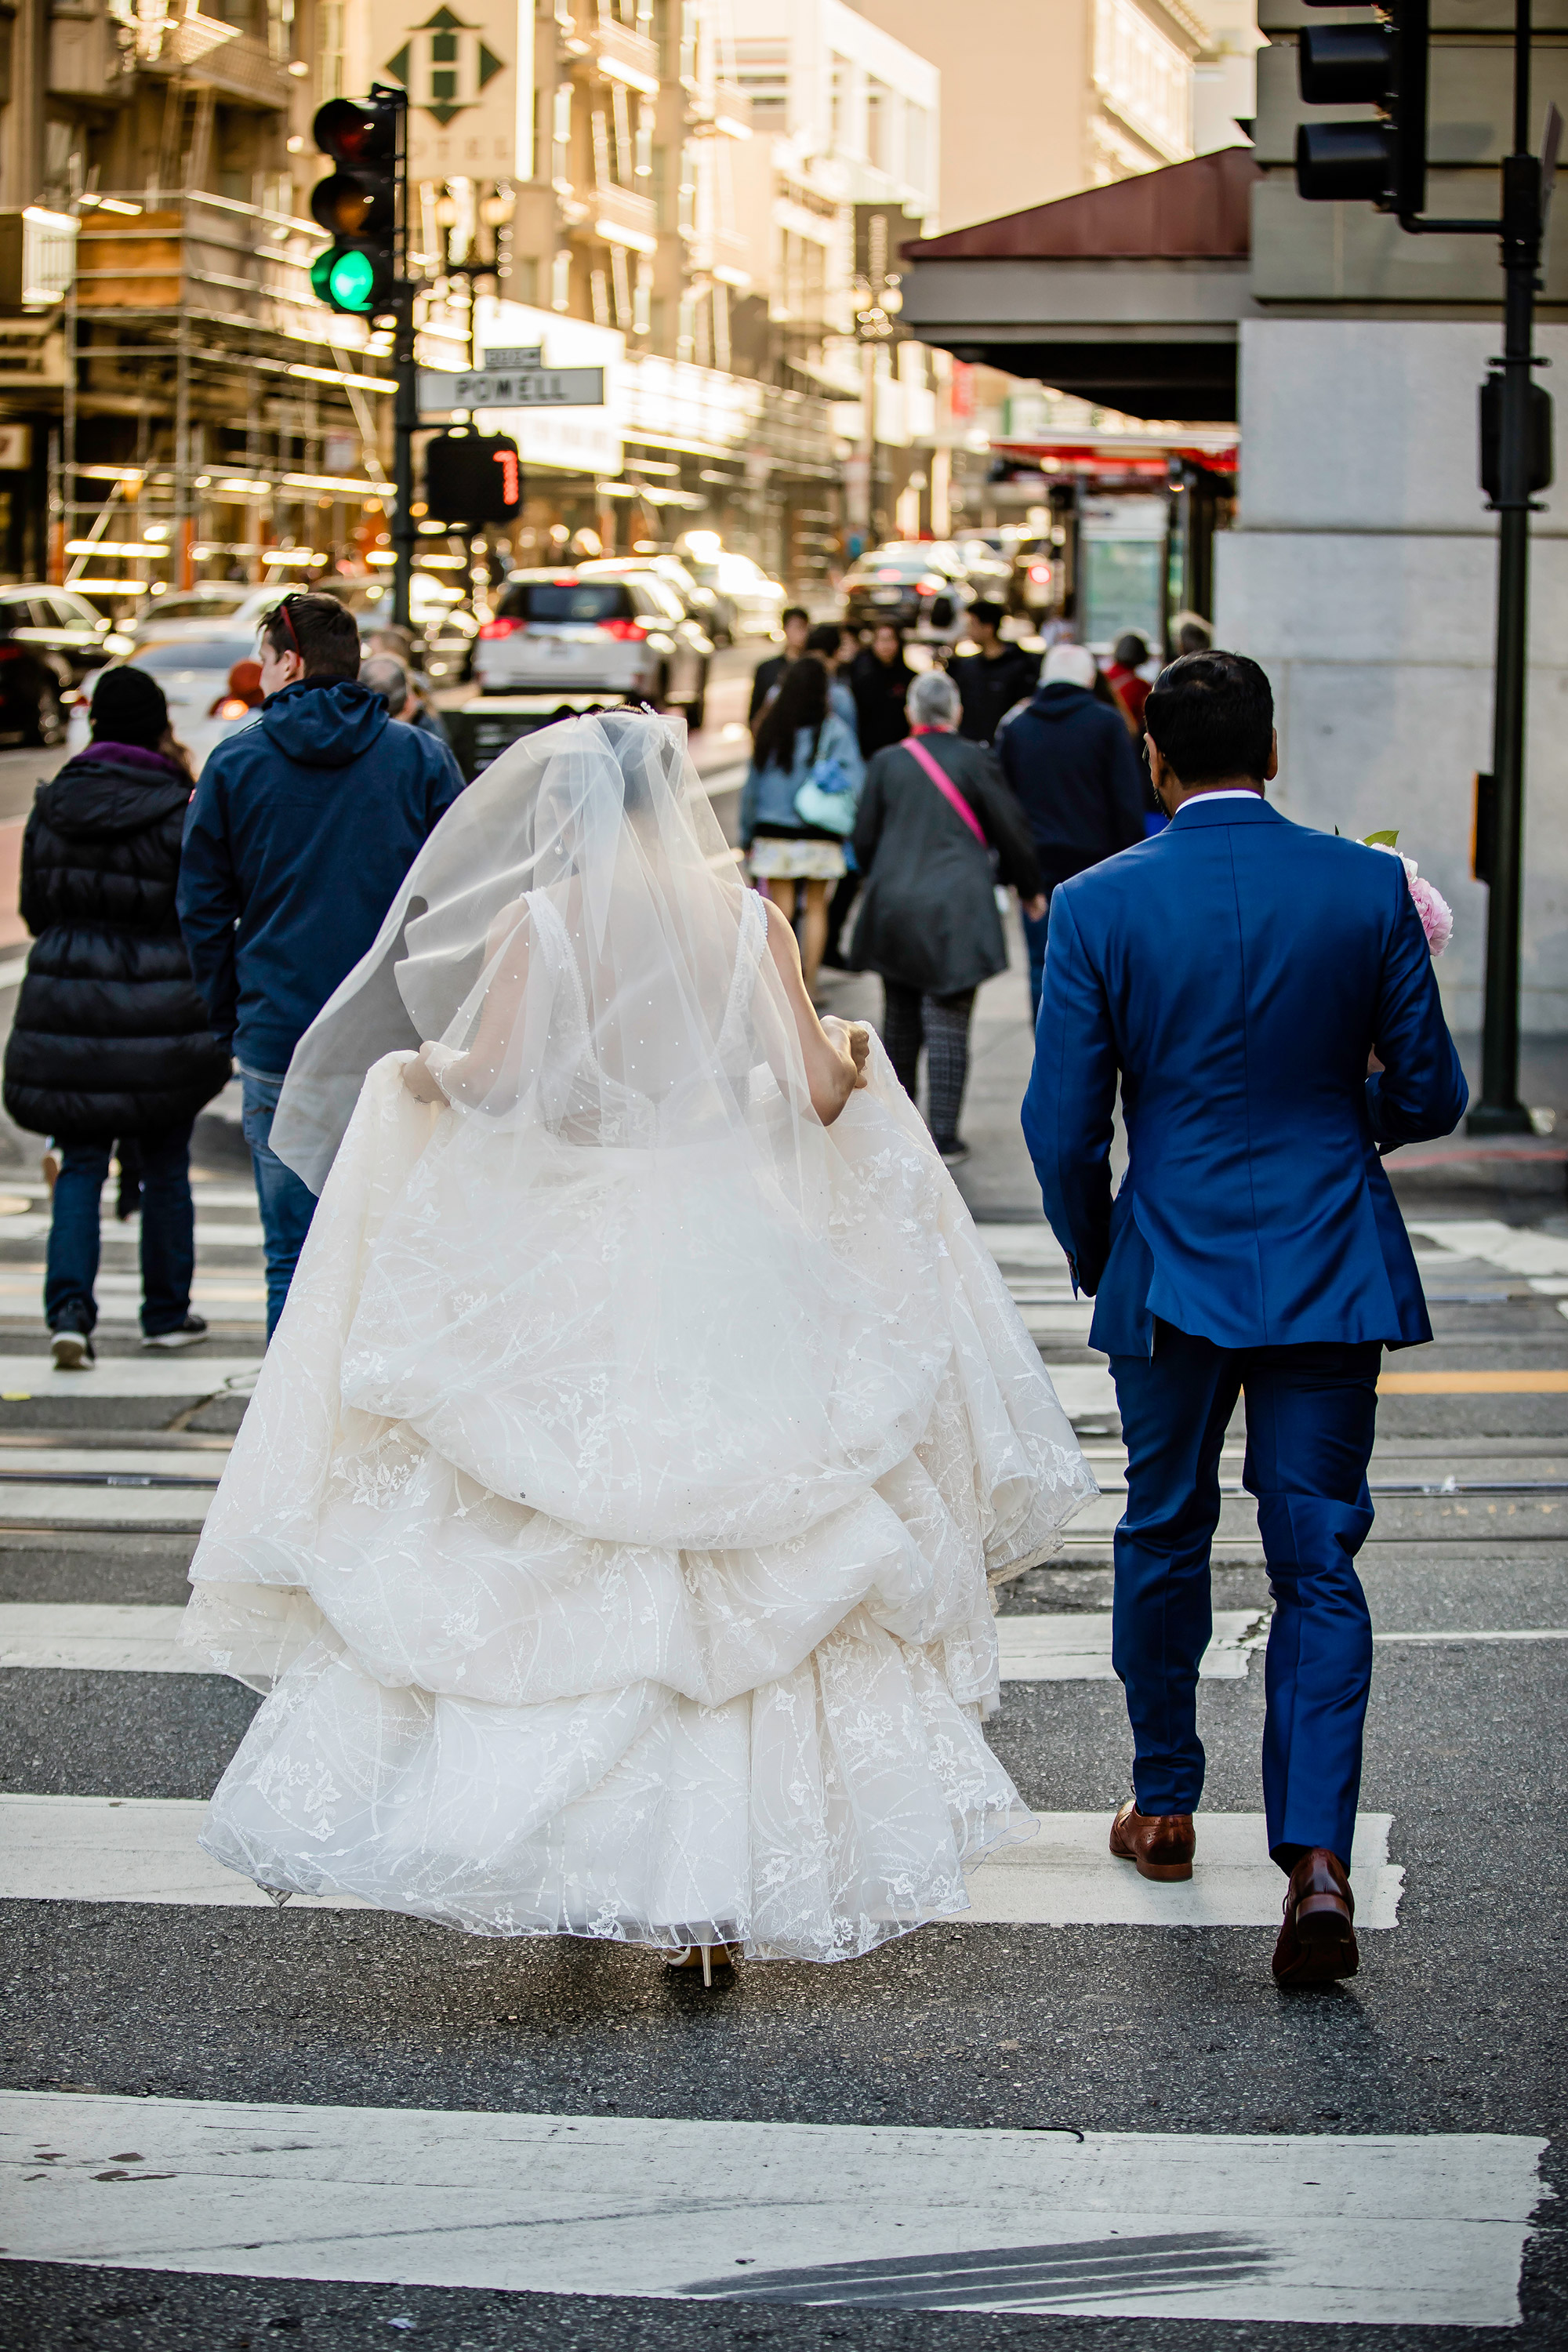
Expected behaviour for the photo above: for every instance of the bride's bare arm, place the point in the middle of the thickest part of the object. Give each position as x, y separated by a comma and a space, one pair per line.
497, 1015
835, 1055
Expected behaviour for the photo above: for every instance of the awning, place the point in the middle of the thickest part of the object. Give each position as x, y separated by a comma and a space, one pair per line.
1129, 295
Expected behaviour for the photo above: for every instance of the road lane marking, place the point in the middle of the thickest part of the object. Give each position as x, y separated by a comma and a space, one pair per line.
144, 1850
1075, 1647
1473, 1385
1508, 1634
1382, 2230
190, 1373
141, 1638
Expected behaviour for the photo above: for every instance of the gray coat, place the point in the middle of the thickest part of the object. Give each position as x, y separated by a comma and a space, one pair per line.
928, 914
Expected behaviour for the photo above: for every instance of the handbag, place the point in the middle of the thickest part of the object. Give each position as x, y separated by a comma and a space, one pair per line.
947, 788
827, 798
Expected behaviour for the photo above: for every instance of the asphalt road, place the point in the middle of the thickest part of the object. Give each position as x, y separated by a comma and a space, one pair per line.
313, 2123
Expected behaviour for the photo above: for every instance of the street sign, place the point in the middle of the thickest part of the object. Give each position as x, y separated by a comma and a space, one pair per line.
511, 388
516, 355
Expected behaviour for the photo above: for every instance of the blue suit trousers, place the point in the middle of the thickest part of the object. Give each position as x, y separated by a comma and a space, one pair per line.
1311, 1415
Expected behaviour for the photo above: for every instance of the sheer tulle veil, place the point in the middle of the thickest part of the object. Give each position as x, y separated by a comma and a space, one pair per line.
581, 892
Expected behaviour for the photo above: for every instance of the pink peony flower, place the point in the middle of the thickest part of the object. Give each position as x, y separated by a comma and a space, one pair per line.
1436, 915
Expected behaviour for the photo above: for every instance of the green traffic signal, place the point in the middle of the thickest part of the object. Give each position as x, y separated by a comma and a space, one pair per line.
350, 277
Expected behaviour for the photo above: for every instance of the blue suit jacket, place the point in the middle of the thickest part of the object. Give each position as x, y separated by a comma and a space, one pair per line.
1235, 969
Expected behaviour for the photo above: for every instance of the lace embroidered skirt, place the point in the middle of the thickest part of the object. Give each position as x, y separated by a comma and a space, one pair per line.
614, 1558
813, 857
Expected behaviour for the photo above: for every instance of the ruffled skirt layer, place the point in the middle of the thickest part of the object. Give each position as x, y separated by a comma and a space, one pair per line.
595, 1595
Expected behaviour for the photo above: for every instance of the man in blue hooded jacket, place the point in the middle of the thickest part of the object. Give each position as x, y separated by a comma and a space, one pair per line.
297, 841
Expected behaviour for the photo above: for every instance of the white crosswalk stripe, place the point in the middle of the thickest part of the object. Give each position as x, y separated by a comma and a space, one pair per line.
105, 1638
144, 1850
1382, 2230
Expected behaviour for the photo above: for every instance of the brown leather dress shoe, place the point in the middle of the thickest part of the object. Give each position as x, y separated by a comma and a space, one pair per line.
1160, 1844
1317, 1942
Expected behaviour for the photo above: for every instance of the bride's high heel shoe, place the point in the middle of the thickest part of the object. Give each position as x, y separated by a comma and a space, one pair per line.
706, 1957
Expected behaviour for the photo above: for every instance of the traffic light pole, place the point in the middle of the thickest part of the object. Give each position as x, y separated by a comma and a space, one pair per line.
1499, 1111
405, 423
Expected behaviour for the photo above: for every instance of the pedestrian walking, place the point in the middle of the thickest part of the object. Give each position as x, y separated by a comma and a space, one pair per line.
1232, 972
297, 841
933, 813
995, 676
384, 674
422, 710
112, 1047
837, 647
1122, 674
795, 622
881, 679
806, 758
1071, 764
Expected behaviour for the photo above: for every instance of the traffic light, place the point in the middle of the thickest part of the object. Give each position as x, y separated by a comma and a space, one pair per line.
472, 477
1383, 65
358, 205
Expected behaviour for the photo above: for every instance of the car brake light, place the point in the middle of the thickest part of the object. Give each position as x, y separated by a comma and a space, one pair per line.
928, 587
887, 576
1039, 573
500, 628
565, 580
230, 706
630, 632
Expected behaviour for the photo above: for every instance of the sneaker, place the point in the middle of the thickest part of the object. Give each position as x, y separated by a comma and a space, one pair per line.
953, 1154
70, 1351
183, 1335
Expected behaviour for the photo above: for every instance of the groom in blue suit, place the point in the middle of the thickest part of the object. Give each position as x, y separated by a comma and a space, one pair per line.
1238, 971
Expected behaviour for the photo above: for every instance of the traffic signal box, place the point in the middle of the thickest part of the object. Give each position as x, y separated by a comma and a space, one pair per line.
1383, 64
472, 477
358, 204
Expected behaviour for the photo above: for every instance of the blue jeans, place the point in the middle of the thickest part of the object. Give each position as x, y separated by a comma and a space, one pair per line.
168, 1233
1311, 1415
286, 1203
1034, 929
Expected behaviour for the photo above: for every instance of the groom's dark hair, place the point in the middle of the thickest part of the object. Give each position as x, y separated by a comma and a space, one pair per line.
1212, 715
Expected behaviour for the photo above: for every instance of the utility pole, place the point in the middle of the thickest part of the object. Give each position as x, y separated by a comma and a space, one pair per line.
1385, 163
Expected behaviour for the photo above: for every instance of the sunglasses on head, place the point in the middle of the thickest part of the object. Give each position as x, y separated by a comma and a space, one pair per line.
287, 617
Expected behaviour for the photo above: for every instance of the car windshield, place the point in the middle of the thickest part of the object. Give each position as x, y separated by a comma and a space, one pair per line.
574, 600
196, 653
898, 559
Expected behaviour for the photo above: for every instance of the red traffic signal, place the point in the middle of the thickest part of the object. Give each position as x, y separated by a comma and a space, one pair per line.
357, 130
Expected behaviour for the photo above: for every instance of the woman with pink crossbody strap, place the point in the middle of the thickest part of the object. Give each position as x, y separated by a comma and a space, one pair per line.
937, 828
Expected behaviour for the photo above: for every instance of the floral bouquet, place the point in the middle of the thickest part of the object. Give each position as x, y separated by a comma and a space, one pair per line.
1436, 915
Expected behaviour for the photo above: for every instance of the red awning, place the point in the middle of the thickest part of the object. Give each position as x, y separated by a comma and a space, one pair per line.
1199, 210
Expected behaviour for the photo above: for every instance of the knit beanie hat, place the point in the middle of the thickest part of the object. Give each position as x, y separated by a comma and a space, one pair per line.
128, 707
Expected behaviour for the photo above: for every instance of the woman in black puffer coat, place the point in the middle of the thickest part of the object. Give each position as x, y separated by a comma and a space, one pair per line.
110, 1039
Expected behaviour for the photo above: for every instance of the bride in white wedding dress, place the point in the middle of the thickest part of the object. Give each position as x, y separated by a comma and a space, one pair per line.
611, 1527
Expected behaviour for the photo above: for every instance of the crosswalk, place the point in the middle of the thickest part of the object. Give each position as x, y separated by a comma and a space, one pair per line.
1414, 2227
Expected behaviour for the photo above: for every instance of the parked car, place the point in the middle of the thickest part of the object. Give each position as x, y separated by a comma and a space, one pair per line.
987, 566
918, 584
749, 604
194, 674
615, 633
702, 604
50, 639
187, 611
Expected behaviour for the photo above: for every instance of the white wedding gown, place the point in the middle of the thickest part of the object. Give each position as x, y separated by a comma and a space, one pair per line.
611, 1541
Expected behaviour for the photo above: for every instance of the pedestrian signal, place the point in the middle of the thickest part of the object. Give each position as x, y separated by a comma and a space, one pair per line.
357, 204
1381, 163
472, 477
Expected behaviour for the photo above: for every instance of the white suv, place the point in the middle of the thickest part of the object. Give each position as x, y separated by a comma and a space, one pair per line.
625, 635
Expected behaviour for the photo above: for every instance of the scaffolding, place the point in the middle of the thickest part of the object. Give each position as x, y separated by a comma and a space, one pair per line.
212, 413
